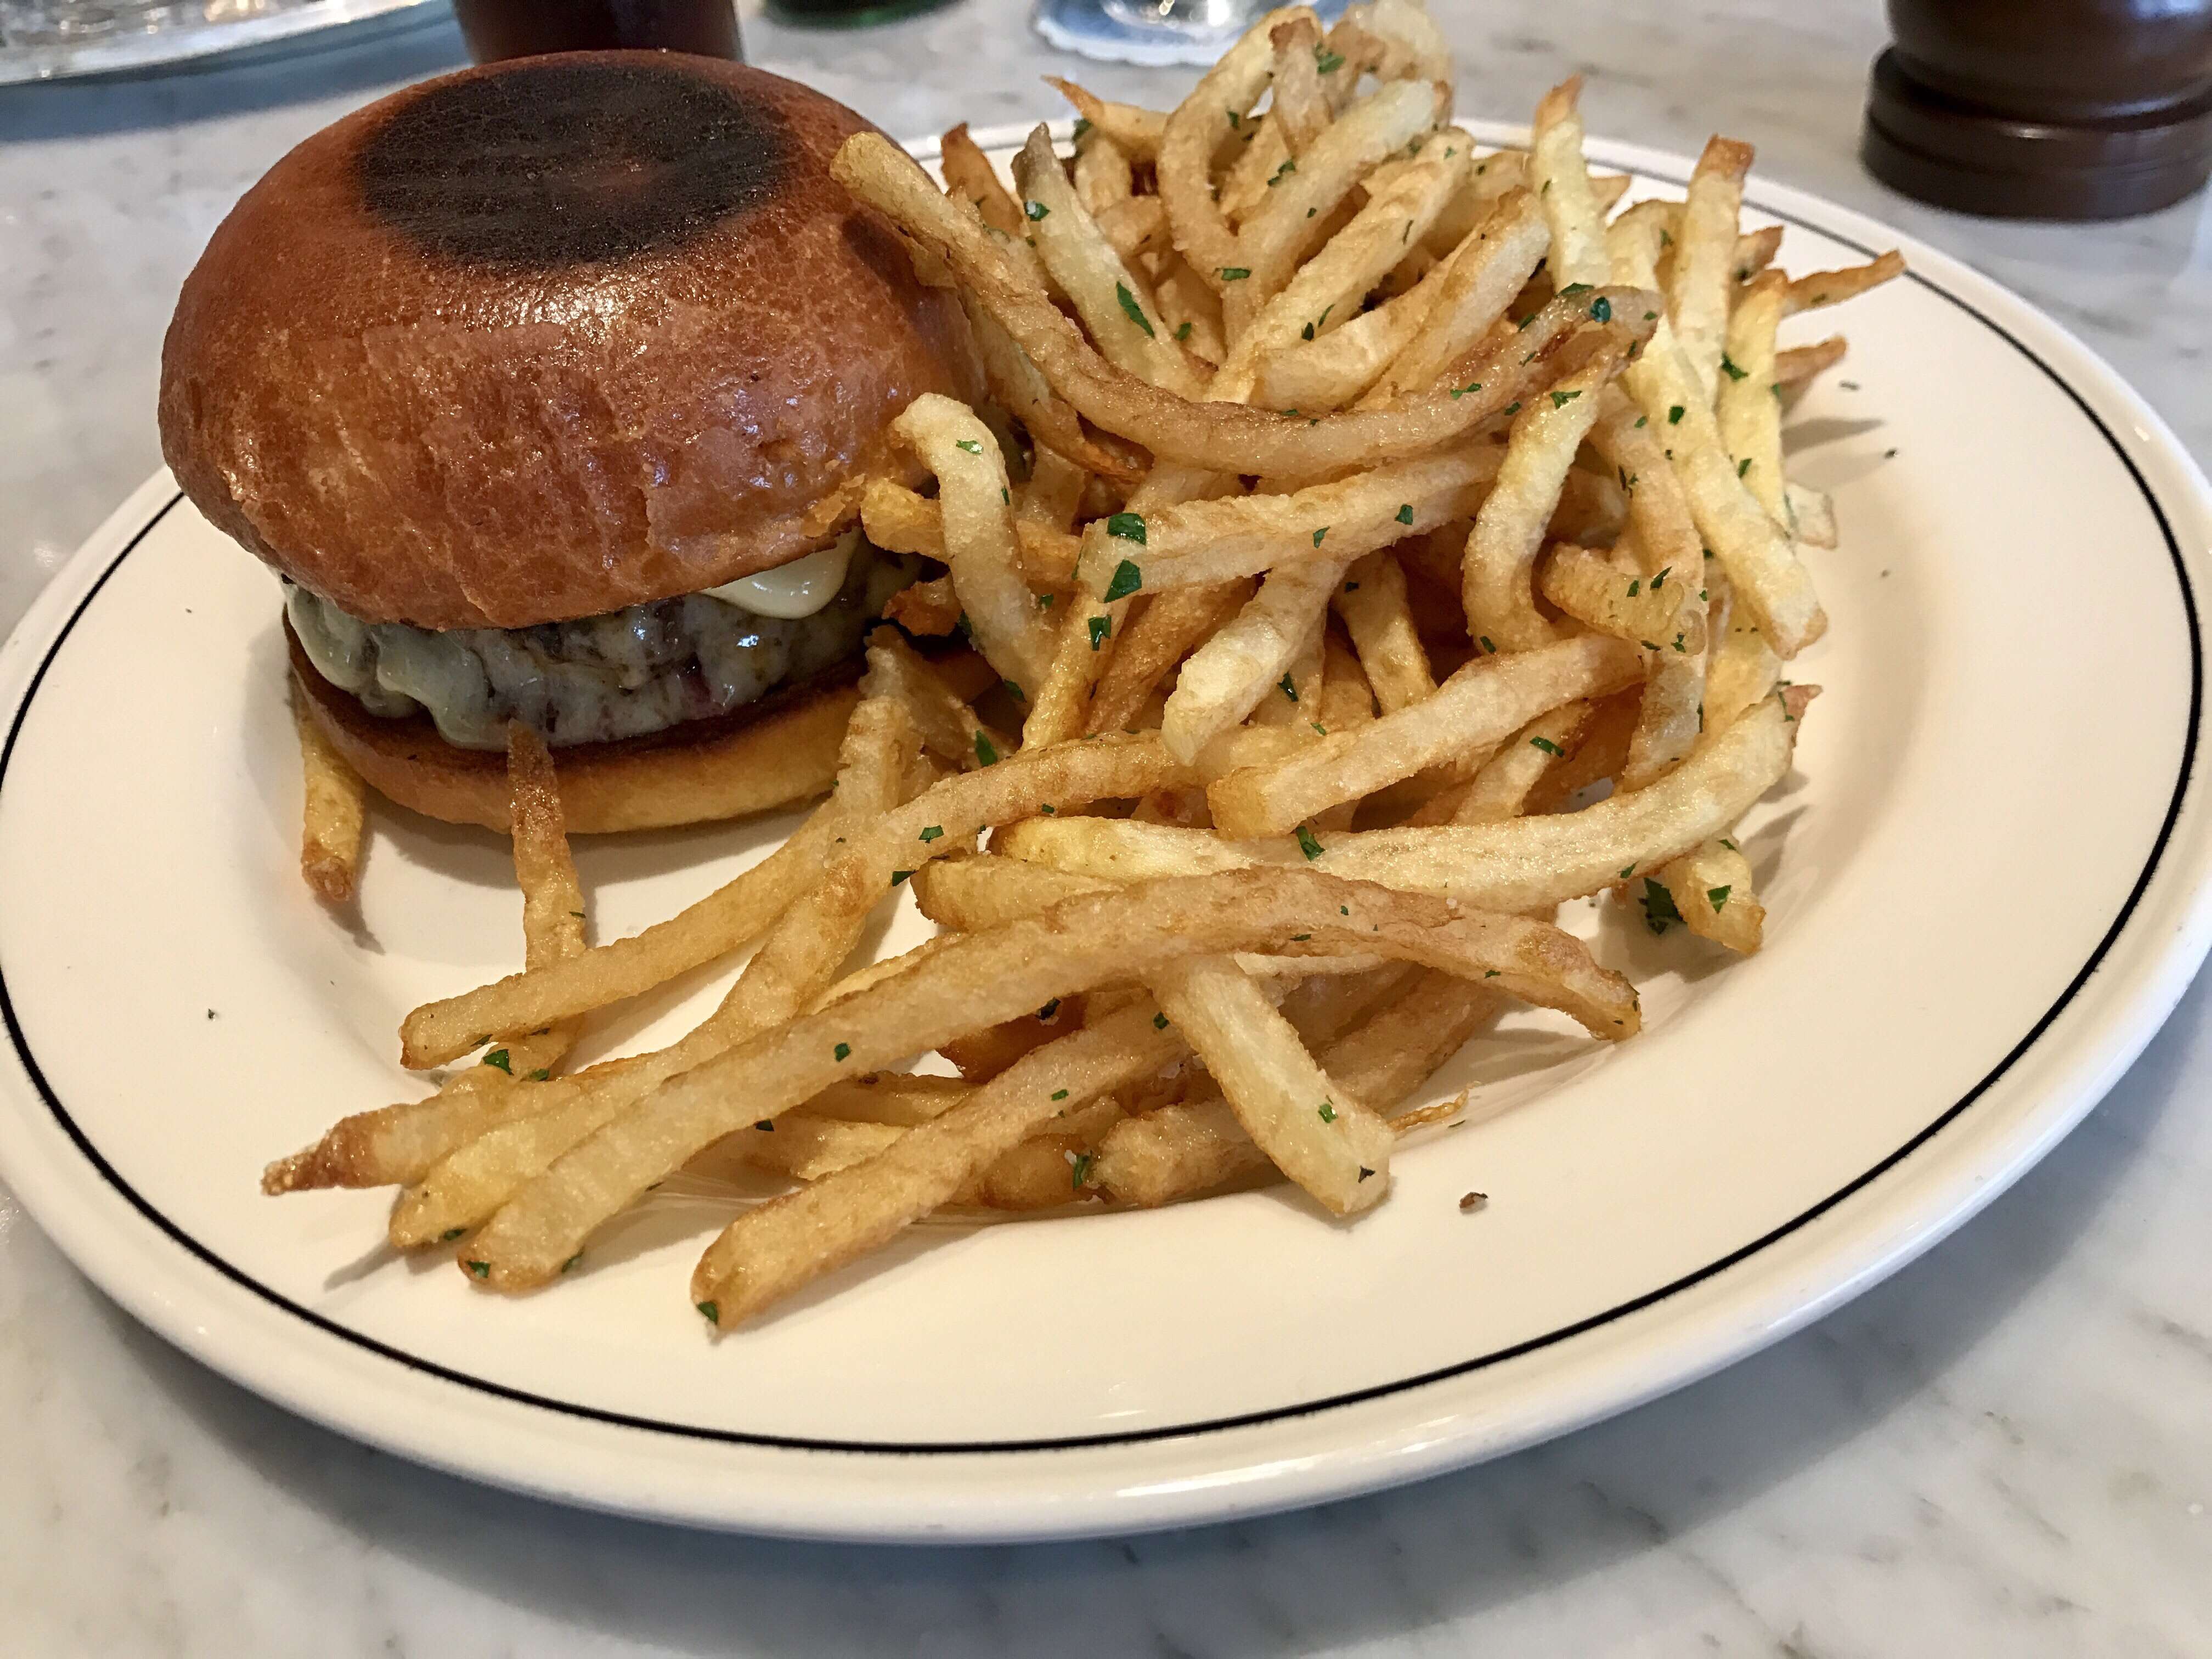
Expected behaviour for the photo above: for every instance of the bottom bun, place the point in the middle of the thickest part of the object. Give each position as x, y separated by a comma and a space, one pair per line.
768, 754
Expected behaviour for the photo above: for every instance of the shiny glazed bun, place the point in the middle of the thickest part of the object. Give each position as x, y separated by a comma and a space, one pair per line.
548, 339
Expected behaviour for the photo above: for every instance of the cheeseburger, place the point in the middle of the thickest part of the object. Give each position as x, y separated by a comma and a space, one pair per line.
545, 387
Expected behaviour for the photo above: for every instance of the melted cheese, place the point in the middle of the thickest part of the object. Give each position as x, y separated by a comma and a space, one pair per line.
794, 590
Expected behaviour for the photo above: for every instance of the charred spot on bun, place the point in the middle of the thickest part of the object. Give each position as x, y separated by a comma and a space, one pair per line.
546, 388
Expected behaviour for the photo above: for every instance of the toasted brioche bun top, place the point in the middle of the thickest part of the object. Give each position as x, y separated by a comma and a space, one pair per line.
550, 337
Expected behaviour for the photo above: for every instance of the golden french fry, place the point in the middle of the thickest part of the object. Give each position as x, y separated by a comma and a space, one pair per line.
334, 803
970, 176
1186, 1150
1711, 891
1289, 224
1194, 130
1482, 279
1335, 367
793, 964
1703, 286
730, 917
979, 541
947, 725
775, 1249
1814, 513
1104, 174
1216, 436
1116, 304
1611, 595
982, 979
1207, 542
1796, 364
1134, 130
1477, 708
1504, 786
1769, 579
1829, 287
1371, 600
1497, 585
1561, 178
1748, 404
1515, 866
1754, 252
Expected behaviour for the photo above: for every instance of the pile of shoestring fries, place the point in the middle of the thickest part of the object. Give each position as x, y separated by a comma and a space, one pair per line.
1353, 506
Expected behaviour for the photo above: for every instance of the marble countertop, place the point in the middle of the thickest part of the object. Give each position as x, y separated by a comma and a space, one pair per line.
2005, 1449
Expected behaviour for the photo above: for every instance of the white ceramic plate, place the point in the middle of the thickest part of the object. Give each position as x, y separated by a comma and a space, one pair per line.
1986, 884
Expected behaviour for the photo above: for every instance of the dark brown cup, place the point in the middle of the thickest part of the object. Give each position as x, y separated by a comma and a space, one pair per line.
2060, 109
524, 28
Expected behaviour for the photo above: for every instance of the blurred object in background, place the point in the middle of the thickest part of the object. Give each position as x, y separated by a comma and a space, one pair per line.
1153, 31
523, 29
2046, 109
846, 14
50, 39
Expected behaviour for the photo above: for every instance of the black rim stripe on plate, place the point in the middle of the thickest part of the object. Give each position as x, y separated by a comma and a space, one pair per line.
1277, 1414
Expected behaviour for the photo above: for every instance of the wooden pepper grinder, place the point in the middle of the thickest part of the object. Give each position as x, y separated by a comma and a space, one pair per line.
2049, 109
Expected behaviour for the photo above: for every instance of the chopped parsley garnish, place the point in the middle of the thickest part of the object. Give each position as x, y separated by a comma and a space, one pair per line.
1133, 311
1675, 415
1308, 844
1300, 939
986, 751
898, 879
1319, 533
1327, 62
1658, 907
1327, 1112
968, 444
1288, 688
1159, 1021
1637, 586
1035, 210
1290, 165
1183, 331
1128, 527
1729, 367
1730, 845
1014, 691
766, 1126
1547, 745
1601, 309
1660, 581
1100, 627
1641, 419
481, 1269
1049, 1009
1743, 466
451, 1234
1364, 1172
713, 1313
499, 1057
1060, 1094
541, 1074
1718, 896
1080, 1167
1044, 601
1484, 641
1472, 385
1128, 579
1405, 516
1513, 408
932, 832
1627, 871
1573, 289
1235, 273
844, 1050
